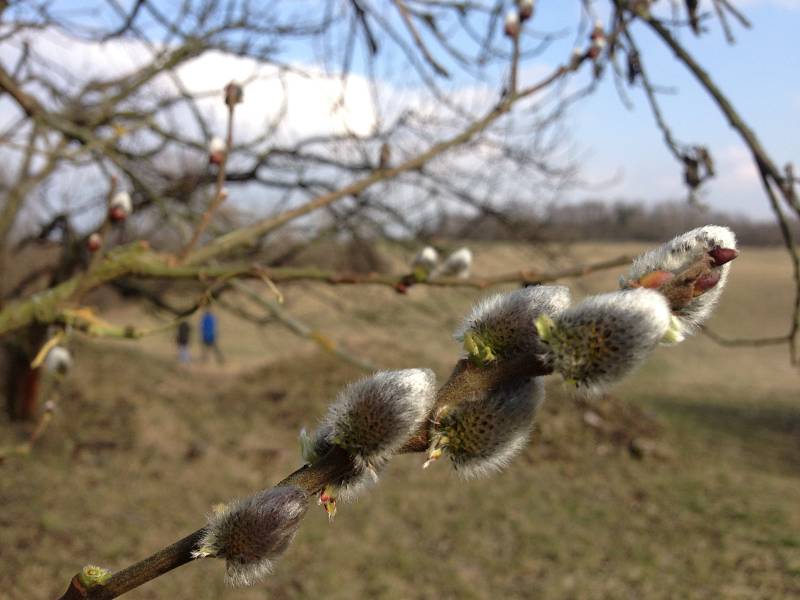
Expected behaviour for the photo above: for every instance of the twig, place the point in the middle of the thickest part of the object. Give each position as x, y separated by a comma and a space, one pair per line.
465, 377
26, 447
726, 28
249, 235
741, 342
788, 238
219, 191
420, 43
138, 261
768, 170
303, 330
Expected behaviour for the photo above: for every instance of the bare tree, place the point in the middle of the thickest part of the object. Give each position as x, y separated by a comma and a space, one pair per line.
141, 142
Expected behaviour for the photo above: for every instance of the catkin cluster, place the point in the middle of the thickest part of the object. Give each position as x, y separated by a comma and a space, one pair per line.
591, 344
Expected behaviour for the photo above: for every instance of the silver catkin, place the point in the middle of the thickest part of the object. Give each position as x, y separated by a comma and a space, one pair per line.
481, 435
679, 253
371, 419
251, 534
603, 338
504, 325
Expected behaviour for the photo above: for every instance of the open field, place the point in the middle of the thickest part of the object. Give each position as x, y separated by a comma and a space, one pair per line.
688, 488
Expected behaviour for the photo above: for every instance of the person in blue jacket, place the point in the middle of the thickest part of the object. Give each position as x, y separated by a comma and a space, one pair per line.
208, 335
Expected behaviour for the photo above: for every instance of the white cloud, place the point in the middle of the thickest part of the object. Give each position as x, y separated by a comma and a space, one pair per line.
316, 104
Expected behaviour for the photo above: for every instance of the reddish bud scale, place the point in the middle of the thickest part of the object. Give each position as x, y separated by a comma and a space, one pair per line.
215, 158
117, 213
94, 242
705, 283
511, 24
722, 256
655, 279
233, 94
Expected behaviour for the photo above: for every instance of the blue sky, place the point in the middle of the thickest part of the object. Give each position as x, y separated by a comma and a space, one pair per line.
761, 76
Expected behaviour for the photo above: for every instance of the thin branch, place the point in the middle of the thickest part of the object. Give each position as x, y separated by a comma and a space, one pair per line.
744, 342
303, 330
312, 479
734, 118
249, 235
219, 190
138, 261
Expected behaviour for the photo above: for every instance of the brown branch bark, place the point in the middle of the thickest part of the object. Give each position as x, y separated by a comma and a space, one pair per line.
770, 174
219, 190
138, 261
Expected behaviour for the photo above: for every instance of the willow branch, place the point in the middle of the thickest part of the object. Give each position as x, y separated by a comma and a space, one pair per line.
466, 379
767, 168
138, 261
744, 342
734, 118
219, 190
303, 330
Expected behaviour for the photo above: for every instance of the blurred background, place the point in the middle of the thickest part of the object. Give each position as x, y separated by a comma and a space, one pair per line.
367, 131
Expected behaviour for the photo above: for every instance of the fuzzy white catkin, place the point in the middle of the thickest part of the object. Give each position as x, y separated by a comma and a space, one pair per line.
122, 200
506, 322
251, 534
426, 259
485, 433
458, 264
371, 419
58, 360
512, 19
216, 145
603, 338
679, 253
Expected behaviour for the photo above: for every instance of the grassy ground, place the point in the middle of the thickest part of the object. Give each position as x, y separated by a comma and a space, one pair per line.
689, 487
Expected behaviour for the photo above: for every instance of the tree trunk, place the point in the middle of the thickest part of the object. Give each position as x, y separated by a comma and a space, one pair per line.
21, 383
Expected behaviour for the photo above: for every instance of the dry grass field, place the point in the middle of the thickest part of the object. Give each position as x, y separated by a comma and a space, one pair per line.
685, 484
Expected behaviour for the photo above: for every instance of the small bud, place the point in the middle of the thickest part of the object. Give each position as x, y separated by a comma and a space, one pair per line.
504, 325
216, 151
511, 24
482, 435
525, 8
576, 57
713, 244
94, 242
457, 264
58, 360
705, 283
655, 279
92, 575
598, 41
120, 206
605, 337
251, 534
722, 256
327, 500
371, 419
233, 94
426, 260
